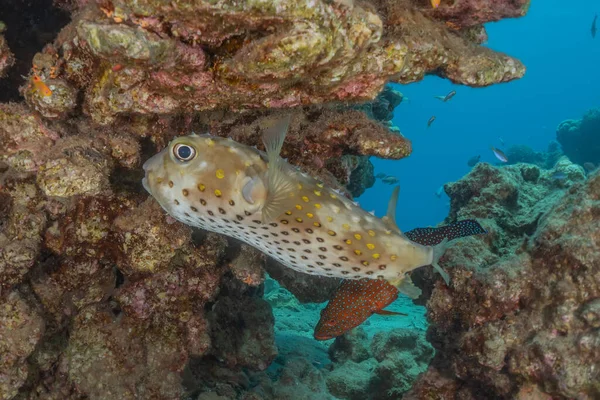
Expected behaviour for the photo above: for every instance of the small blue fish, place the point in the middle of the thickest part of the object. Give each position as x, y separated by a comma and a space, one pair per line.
439, 192
559, 176
499, 154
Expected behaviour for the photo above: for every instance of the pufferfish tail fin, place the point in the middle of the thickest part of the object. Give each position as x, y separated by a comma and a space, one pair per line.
438, 252
281, 186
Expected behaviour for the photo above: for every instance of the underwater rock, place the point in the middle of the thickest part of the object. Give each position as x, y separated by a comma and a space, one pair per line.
515, 315
253, 346
579, 138
111, 355
525, 154
467, 13
394, 361
21, 328
124, 60
7, 59
306, 288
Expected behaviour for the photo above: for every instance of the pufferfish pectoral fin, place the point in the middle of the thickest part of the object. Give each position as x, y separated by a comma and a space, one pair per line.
390, 217
406, 286
281, 184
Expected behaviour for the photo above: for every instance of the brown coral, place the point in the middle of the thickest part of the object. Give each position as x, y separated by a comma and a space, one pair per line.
519, 311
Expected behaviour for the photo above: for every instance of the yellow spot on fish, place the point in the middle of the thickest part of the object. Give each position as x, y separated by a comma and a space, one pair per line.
210, 142
305, 199
346, 226
318, 225
371, 232
365, 263
247, 163
218, 193
335, 209
331, 233
348, 241
357, 252
288, 213
299, 219
357, 236
159, 180
393, 257
317, 205
388, 232
376, 256
201, 187
309, 215
370, 246
220, 174
329, 219
298, 207
319, 184
333, 196
238, 172
317, 192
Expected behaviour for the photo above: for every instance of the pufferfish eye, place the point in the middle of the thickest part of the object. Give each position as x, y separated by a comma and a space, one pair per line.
183, 152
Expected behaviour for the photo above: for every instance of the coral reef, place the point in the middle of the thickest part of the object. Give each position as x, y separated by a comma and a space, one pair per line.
385, 370
238, 55
525, 154
467, 13
106, 297
519, 315
7, 59
580, 138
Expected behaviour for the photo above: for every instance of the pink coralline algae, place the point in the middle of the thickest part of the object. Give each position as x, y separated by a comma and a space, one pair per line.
520, 314
237, 55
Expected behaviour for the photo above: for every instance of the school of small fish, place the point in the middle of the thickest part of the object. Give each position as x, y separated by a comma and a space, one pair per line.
356, 300
222, 186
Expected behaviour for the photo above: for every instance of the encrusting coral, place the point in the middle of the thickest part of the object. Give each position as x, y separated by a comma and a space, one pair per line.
104, 295
520, 314
240, 55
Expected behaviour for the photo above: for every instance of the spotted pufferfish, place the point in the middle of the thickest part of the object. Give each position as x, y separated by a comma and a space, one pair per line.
226, 187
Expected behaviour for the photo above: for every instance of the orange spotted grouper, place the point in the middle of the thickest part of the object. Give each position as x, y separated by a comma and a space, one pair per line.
356, 300
226, 187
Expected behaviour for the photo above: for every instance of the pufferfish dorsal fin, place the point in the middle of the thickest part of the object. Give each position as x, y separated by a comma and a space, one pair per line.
281, 185
390, 217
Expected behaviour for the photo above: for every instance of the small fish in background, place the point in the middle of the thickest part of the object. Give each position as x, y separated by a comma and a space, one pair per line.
380, 175
40, 87
430, 121
473, 160
435, 3
390, 180
594, 30
499, 154
501, 141
357, 300
559, 176
438, 193
446, 97
589, 167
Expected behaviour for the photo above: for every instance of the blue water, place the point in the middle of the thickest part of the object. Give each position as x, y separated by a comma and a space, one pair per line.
562, 81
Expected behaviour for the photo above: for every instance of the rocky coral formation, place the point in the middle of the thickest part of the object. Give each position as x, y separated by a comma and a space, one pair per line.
7, 59
580, 138
384, 370
106, 297
518, 316
524, 154
468, 13
125, 60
